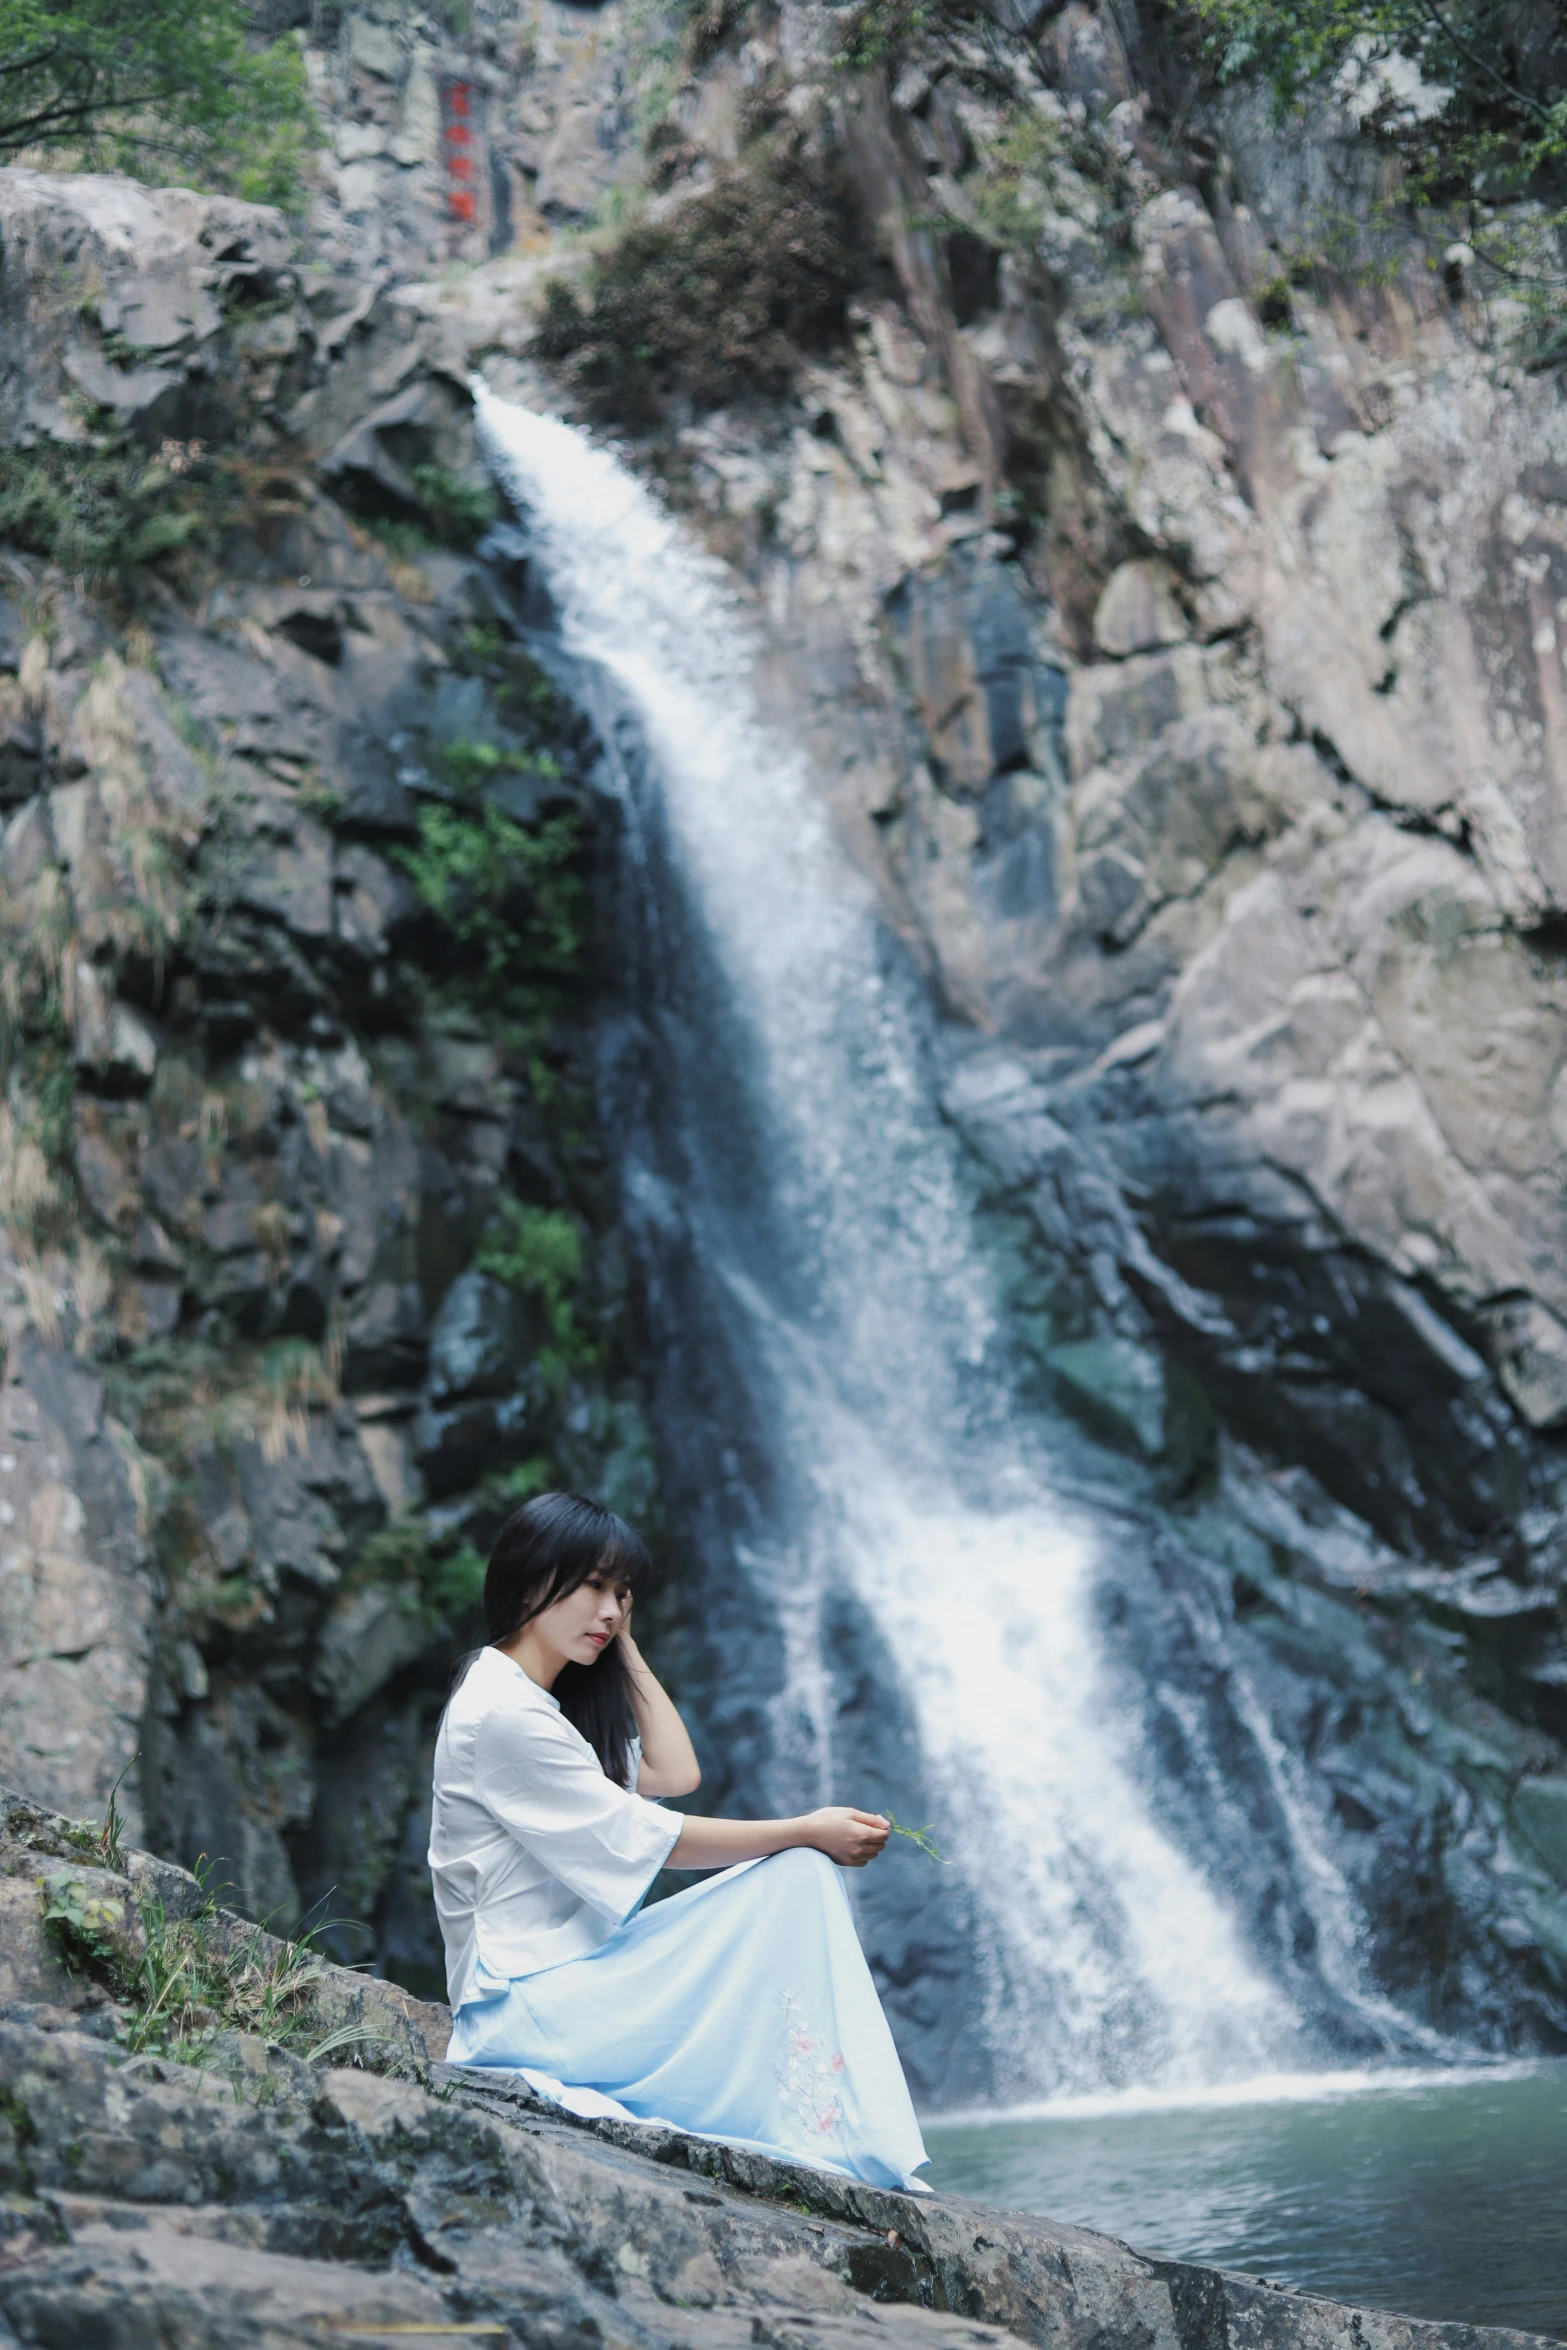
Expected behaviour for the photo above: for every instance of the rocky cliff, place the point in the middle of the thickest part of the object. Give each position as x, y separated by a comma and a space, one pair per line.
305, 1210
1162, 562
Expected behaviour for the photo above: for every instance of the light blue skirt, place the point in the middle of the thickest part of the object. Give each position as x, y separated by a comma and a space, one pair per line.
741, 2009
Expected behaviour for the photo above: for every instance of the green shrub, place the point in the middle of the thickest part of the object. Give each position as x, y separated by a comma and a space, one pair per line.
1011, 191
398, 1552
459, 511
85, 1930
879, 29
1491, 128
522, 692
404, 1552
96, 510
509, 1488
456, 1583
467, 766
509, 896
538, 1251
715, 303
166, 89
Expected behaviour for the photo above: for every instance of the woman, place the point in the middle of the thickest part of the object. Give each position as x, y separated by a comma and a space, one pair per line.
739, 2009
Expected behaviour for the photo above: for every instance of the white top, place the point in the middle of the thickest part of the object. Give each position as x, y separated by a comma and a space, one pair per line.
536, 1856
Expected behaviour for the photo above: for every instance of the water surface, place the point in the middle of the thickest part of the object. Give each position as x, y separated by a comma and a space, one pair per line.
1443, 2196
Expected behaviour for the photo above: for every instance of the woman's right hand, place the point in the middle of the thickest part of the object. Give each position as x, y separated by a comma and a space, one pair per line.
851, 1838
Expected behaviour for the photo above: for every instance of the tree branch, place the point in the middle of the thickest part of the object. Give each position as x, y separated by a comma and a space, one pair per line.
27, 64
1484, 65
37, 125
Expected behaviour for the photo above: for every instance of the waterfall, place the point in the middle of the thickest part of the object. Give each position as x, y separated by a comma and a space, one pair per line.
891, 1471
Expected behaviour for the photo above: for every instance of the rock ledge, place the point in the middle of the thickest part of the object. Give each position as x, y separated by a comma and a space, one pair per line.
259, 2199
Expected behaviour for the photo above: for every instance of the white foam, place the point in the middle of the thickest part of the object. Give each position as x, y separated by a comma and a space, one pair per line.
1261, 2089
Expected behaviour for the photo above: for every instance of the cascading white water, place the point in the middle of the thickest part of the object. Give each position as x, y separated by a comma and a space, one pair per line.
1101, 1944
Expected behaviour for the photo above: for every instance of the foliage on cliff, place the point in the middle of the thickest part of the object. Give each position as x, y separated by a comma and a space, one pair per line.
99, 509
159, 88
716, 302
1471, 93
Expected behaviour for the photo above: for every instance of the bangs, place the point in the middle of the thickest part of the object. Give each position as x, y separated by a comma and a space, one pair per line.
624, 1559
579, 1541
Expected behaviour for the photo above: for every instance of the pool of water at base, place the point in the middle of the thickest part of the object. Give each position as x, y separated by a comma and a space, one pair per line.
1442, 2195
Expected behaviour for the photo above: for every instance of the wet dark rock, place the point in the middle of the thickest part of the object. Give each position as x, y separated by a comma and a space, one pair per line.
474, 1415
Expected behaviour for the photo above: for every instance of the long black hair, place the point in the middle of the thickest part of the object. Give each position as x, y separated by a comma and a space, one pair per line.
546, 1550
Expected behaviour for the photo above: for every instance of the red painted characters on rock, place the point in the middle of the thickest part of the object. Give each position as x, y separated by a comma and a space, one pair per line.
459, 151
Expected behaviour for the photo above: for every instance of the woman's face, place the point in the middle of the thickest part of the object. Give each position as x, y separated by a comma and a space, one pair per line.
578, 1628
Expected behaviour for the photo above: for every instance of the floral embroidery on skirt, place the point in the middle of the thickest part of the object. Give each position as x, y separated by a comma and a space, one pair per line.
809, 2078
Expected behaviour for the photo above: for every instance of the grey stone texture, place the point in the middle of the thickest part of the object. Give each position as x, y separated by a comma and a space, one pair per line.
234, 1269
263, 2199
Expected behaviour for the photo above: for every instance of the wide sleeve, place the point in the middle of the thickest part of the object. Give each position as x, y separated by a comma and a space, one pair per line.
542, 1781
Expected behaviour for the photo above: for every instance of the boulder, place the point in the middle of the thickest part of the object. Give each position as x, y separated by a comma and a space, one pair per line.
152, 266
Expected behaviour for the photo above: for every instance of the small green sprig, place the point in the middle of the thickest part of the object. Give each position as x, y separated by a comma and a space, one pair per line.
919, 1838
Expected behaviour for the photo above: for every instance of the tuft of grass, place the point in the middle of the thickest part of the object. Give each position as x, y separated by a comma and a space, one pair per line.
919, 1837
184, 1980
111, 1834
194, 1981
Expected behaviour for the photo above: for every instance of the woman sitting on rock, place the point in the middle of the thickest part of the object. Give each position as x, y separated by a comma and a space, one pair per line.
740, 2009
